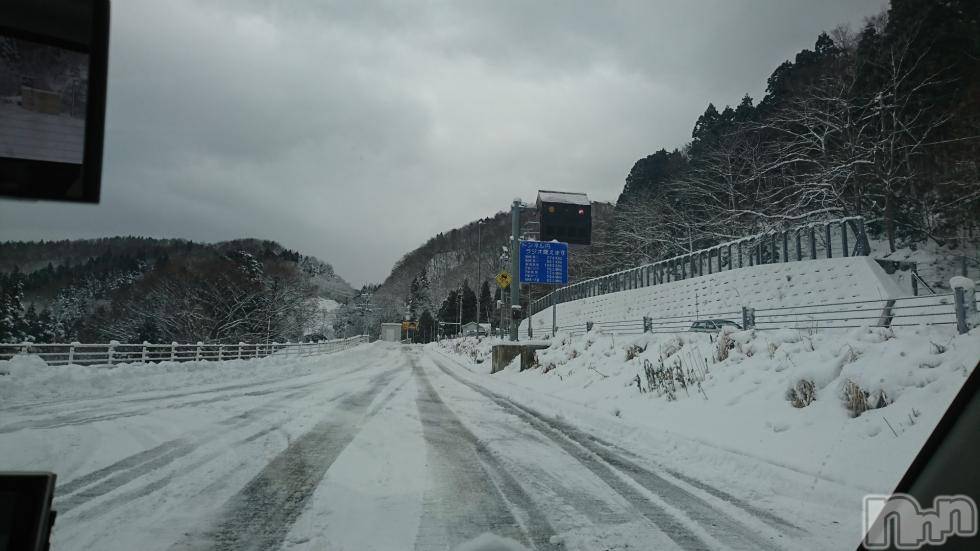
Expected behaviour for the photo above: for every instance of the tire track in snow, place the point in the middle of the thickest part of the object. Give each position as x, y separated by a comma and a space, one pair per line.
125, 498
69, 420
758, 512
98, 483
473, 492
73, 419
235, 421
20, 407
624, 476
260, 515
138, 465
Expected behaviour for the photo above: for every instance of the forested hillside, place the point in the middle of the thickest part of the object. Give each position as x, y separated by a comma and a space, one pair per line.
133, 289
881, 122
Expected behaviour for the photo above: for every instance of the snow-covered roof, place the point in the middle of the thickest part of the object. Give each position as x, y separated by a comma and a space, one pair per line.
563, 197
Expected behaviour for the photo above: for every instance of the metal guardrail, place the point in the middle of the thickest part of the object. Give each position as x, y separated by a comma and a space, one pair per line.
804, 242
116, 353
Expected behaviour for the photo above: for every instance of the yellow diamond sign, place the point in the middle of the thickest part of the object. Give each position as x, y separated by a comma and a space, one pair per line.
503, 280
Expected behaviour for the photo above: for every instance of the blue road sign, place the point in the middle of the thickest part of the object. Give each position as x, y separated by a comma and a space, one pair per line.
544, 262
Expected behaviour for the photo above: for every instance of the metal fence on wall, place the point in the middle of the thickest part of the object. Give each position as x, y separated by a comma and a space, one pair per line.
835, 238
117, 353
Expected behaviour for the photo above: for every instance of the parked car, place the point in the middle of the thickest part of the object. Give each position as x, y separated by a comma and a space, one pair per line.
711, 326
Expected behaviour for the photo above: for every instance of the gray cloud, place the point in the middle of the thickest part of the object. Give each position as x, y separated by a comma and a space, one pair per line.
353, 131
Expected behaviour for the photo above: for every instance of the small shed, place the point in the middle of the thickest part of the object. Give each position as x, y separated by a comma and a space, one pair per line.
391, 332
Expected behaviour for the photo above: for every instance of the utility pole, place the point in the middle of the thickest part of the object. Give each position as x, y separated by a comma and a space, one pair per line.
515, 286
479, 270
460, 326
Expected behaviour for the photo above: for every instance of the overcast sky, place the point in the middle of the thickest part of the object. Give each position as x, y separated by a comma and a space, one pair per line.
353, 131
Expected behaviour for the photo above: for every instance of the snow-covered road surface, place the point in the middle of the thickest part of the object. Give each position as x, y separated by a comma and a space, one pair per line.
385, 447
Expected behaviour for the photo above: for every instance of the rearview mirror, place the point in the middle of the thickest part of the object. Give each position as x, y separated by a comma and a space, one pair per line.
53, 61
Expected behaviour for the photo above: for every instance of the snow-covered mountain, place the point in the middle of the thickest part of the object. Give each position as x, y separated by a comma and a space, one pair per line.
126, 288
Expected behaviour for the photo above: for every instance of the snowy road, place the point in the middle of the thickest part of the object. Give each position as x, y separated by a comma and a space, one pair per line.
381, 447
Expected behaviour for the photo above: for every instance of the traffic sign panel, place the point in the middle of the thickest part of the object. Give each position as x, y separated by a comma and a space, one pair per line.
544, 262
503, 280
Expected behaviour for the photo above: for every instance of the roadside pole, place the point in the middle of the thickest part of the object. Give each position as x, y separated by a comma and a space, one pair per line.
530, 320
502, 301
515, 286
479, 270
503, 313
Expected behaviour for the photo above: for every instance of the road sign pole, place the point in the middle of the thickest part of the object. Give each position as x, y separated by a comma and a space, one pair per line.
530, 319
515, 286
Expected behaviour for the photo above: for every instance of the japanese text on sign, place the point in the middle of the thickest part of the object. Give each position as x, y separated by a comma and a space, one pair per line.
544, 262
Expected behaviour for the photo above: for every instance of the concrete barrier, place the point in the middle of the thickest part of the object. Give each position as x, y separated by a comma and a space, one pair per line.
504, 354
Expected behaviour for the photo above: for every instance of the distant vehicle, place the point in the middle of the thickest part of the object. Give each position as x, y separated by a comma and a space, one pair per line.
711, 326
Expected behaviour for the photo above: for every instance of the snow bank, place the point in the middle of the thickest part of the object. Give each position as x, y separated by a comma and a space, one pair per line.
27, 378
869, 396
475, 349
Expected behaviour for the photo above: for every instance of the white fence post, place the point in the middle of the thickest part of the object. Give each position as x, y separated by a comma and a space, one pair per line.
112, 350
221, 352
143, 356
173, 351
71, 352
240, 344
197, 351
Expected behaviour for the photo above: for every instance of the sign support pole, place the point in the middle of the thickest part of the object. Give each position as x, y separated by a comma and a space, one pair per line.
530, 320
515, 286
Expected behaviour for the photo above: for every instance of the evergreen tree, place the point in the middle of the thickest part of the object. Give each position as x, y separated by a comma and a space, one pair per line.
449, 312
426, 328
469, 303
12, 324
486, 303
414, 302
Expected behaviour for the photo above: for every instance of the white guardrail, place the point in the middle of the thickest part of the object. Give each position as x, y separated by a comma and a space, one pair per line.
112, 353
